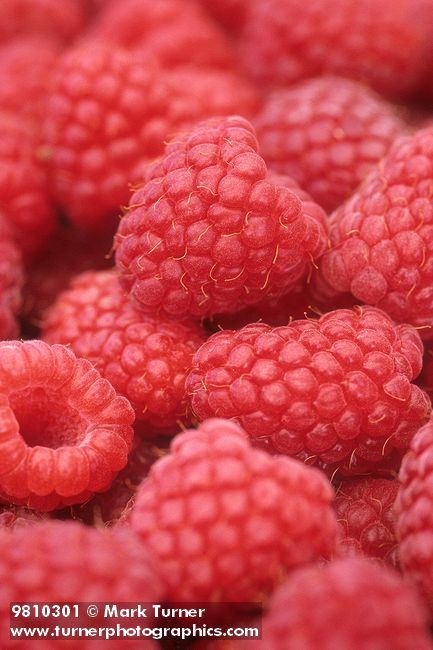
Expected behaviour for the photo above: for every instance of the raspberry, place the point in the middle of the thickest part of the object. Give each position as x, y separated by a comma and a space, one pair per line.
24, 193
26, 65
335, 392
62, 20
326, 133
381, 240
144, 358
64, 432
113, 506
414, 507
105, 119
383, 42
11, 280
66, 562
351, 604
67, 254
223, 235
226, 521
365, 513
175, 32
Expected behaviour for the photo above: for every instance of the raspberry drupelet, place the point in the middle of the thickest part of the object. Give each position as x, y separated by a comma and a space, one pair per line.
351, 604
414, 513
365, 512
334, 392
65, 434
327, 133
209, 231
381, 42
225, 521
175, 32
67, 562
381, 240
146, 359
24, 185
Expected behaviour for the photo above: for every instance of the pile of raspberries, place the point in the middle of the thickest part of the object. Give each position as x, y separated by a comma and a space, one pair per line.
216, 314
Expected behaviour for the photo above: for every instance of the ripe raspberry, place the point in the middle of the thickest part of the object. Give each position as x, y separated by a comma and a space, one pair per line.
24, 189
106, 117
326, 133
414, 508
26, 65
66, 562
113, 506
64, 432
223, 235
335, 392
381, 240
351, 604
175, 32
11, 280
381, 42
145, 359
67, 254
365, 513
62, 20
226, 521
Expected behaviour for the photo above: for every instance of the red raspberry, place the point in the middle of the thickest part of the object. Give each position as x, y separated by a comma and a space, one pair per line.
226, 521
414, 512
62, 20
381, 240
381, 42
106, 117
365, 513
326, 133
26, 65
67, 254
351, 604
175, 32
24, 186
11, 280
66, 562
64, 432
223, 235
145, 359
335, 392
114, 505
